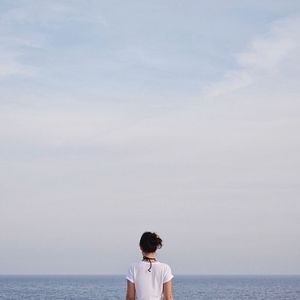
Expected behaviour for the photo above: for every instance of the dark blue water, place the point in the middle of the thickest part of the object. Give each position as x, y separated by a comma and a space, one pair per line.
185, 287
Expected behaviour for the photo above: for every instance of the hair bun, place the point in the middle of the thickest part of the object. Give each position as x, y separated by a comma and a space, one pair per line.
150, 241
156, 239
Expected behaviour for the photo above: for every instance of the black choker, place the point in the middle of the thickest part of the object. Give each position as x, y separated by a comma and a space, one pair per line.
150, 259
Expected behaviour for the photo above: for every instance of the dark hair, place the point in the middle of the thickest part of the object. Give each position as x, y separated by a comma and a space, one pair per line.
150, 242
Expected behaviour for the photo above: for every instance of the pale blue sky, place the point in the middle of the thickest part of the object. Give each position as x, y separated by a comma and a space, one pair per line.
123, 116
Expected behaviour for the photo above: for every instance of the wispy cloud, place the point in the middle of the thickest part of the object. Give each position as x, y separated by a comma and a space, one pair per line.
18, 36
264, 58
10, 64
51, 13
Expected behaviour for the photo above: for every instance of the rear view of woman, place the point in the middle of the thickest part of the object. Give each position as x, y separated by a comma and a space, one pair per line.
149, 279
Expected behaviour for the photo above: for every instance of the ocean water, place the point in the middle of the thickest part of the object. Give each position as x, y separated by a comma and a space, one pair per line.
184, 287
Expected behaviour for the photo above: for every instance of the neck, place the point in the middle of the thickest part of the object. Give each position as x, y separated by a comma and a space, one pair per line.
149, 254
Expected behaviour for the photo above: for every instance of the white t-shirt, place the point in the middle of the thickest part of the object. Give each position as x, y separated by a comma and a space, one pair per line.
149, 285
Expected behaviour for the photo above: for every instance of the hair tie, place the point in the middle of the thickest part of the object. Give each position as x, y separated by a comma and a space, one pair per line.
150, 261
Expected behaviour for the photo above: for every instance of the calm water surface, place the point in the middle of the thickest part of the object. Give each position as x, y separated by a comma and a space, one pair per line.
185, 287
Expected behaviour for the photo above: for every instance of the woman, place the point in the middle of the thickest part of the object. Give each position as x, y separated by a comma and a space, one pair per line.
149, 279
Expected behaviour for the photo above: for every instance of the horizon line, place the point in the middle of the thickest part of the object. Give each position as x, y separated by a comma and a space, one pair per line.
121, 274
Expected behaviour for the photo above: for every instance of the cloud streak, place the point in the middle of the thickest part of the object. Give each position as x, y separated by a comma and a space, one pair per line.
264, 58
50, 14
10, 65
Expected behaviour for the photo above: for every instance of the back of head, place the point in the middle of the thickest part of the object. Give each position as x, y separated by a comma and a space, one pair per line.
150, 242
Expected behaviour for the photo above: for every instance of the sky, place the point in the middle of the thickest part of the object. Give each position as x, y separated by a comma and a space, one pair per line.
179, 117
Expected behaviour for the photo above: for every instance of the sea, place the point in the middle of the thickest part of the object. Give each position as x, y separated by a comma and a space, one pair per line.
184, 287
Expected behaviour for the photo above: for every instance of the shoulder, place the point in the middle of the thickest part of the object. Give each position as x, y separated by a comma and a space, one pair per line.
134, 265
165, 266
167, 272
131, 272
